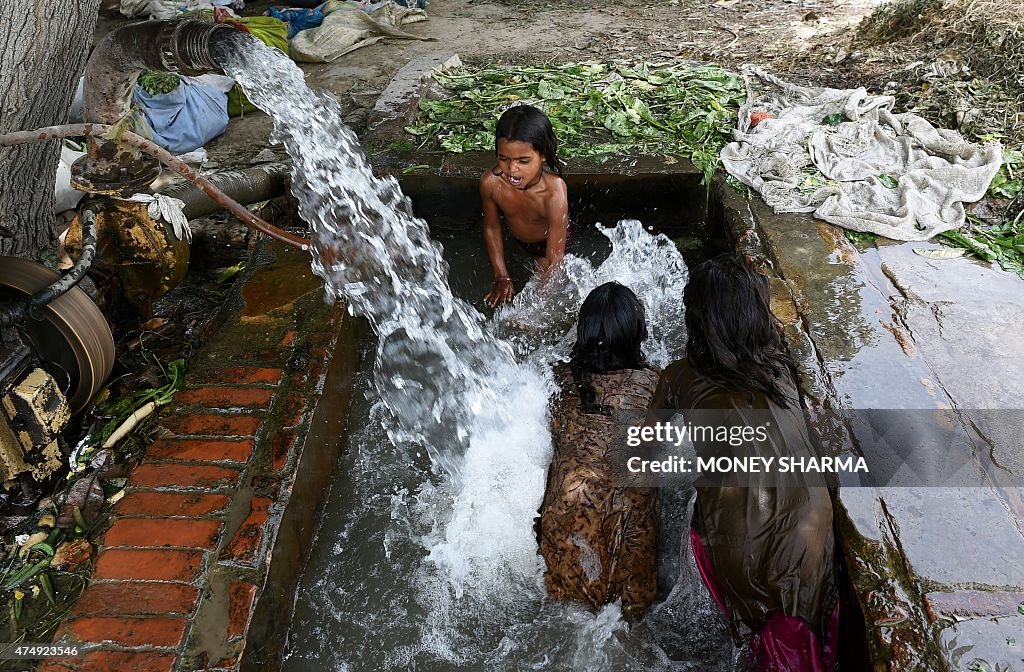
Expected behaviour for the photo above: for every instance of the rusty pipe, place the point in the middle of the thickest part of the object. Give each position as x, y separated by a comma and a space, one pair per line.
119, 59
174, 163
249, 185
110, 75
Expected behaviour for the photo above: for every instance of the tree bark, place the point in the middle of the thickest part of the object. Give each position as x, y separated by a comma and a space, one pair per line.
43, 49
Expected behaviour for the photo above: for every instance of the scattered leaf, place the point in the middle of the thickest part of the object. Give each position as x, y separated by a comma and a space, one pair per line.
941, 253
888, 181
230, 272
72, 554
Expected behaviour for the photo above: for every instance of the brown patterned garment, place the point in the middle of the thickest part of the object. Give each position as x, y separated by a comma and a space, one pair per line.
600, 542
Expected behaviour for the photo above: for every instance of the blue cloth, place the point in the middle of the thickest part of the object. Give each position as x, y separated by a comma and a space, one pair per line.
297, 19
186, 118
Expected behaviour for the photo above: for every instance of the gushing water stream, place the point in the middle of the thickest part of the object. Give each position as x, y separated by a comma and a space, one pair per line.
434, 562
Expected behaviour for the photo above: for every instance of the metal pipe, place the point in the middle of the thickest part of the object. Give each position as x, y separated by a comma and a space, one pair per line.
110, 75
250, 185
15, 312
171, 161
119, 59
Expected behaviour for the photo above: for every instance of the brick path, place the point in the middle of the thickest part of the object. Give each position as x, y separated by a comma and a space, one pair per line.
184, 564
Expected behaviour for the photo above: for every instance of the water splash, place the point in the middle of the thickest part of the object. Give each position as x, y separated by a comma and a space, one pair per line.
436, 564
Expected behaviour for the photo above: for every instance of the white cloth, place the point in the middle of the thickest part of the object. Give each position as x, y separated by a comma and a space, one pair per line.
930, 172
169, 209
349, 26
66, 197
169, 9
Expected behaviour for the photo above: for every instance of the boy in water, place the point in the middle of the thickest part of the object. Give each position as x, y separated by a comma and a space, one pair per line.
526, 189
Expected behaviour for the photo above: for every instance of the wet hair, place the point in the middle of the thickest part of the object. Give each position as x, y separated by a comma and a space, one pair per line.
733, 337
611, 329
524, 123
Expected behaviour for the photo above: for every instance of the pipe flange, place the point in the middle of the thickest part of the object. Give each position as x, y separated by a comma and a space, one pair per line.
108, 178
185, 47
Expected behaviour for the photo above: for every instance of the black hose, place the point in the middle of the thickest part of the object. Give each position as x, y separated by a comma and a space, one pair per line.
16, 312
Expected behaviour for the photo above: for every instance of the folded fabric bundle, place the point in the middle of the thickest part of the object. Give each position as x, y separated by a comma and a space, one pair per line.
297, 19
846, 157
349, 25
189, 116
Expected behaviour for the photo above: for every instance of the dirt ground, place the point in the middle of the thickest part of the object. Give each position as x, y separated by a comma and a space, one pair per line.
808, 38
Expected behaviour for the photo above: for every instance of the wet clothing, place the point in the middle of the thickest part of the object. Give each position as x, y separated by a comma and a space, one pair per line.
600, 542
770, 550
539, 249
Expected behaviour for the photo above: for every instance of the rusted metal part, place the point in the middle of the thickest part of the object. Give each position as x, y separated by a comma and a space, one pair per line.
168, 159
249, 185
111, 167
145, 255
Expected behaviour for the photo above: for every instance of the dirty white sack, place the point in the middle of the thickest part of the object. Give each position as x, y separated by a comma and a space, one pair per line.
350, 26
169, 9
930, 172
66, 197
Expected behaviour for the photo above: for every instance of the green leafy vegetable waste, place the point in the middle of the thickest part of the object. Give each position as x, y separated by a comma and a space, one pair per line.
1001, 244
596, 109
155, 82
119, 410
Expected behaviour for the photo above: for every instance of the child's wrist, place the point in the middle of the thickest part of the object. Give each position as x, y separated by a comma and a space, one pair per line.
501, 277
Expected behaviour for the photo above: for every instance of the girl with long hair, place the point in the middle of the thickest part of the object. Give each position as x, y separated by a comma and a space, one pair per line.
765, 548
526, 190
600, 540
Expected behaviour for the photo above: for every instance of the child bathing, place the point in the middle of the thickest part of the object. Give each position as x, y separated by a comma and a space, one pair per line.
526, 189
600, 540
766, 554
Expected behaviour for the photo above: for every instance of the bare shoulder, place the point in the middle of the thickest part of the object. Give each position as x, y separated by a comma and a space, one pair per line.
555, 183
488, 181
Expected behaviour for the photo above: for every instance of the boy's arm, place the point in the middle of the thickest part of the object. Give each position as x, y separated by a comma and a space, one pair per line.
558, 227
501, 291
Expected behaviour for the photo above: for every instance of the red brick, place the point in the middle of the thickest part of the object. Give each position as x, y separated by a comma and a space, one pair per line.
240, 375
193, 476
241, 595
128, 631
281, 446
134, 598
163, 532
200, 424
246, 541
200, 450
289, 338
226, 397
126, 661
187, 504
294, 409
152, 565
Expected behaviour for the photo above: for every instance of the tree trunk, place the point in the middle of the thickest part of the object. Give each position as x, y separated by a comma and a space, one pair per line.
43, 48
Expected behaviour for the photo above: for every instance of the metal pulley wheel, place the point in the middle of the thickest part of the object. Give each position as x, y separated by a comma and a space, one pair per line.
72, 339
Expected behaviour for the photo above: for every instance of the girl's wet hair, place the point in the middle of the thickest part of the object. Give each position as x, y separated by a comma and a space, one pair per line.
733, 337
611, 329
524, 123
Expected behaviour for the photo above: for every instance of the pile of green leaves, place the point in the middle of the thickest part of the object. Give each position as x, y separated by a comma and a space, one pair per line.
1001, 242
155, 82
596, 109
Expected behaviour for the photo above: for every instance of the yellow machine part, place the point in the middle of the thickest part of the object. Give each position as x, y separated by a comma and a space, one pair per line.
145, 255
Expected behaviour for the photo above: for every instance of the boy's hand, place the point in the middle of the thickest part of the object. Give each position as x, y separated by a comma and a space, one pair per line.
501, 292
